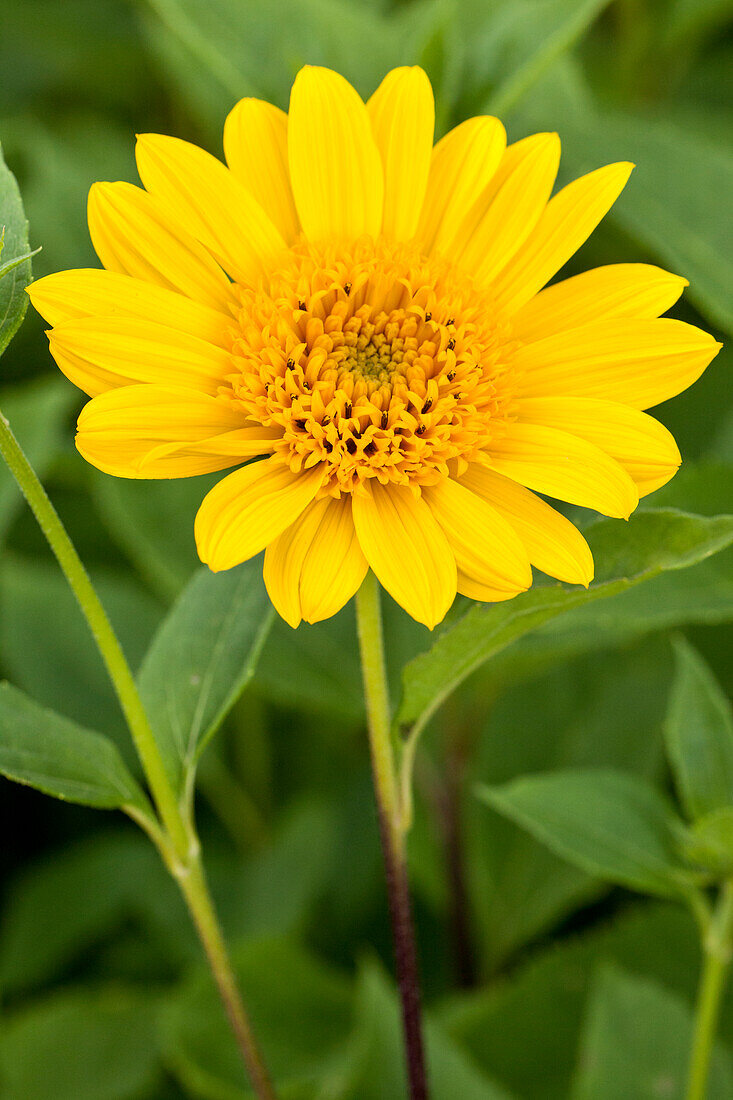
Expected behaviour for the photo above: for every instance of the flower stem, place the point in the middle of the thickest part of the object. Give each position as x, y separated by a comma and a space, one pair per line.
391, 828
717, 948
178, 842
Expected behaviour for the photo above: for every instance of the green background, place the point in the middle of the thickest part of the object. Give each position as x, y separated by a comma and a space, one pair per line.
532, 970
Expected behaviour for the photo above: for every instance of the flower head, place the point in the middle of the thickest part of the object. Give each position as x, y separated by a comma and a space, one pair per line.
364, 313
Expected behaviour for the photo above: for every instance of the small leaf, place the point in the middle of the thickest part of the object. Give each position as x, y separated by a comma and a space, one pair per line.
649, 544
201, 659
699, 736
612, 825
636, 1041
709, 842
15, 255
43, 750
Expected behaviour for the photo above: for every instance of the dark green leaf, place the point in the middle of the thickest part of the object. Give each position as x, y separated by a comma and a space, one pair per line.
650, 544
636, 1042
81, 1045
611, 825
378, 1068
699, 736
52, 754
709, 842
202, 658
17, 275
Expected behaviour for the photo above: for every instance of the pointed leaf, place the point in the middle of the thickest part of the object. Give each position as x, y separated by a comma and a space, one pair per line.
43, 750
612, 825
699, 736
201, 659
17, 275
649, 544
636, 1041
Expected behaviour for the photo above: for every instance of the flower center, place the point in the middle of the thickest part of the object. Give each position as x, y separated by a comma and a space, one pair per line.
374, 361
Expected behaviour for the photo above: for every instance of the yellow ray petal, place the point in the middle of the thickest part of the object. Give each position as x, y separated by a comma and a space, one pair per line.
203, 195
484, 593
402, 114
563, 466
637, 362
256, 149
566, 222
69, 295
335, 167
641, 291
249, 508
486, 547
507, 211
553, 544
407, 549
643, 446
120, 350
315, 566
462, 165
145, 431
132, 234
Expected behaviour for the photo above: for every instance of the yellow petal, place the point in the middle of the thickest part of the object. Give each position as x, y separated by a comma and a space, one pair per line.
566, 222
249, 508
643, 446
117, 351
407, 549
553, 544
133, 235
165, 431
315, 566
486, 547
637, 362
462, 165
256, 149
69, 295
484, 593
641, 291
402, 114
561, 465
507, 211
335, 167
204, 196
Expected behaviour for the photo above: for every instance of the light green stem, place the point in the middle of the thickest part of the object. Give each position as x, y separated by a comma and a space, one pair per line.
717, 948
177, 842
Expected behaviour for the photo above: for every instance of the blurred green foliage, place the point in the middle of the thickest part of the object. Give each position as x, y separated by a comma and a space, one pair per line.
532, 977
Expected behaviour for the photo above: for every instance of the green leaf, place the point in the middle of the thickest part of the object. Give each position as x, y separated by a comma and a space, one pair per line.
611, 825
301, 1014
709, 842
699, 736
378, 1061
43, 750
47, 649
37, 413
651, 543
202, 658
81, 1045
636, 1042
524, 1028
16, 271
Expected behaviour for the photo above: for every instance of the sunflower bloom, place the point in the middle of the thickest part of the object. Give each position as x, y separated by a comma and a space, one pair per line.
364, 313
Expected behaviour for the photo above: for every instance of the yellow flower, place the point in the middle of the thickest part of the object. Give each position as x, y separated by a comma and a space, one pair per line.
367, 311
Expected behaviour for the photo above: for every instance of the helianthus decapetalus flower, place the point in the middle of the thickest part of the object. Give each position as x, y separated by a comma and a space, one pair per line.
365, 313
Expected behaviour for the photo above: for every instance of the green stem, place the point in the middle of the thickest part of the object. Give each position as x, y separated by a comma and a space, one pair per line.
717, 947
391, 828
177, 842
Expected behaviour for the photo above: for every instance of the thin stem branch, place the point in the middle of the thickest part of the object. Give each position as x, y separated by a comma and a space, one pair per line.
717, 948
177, 840
392, 828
